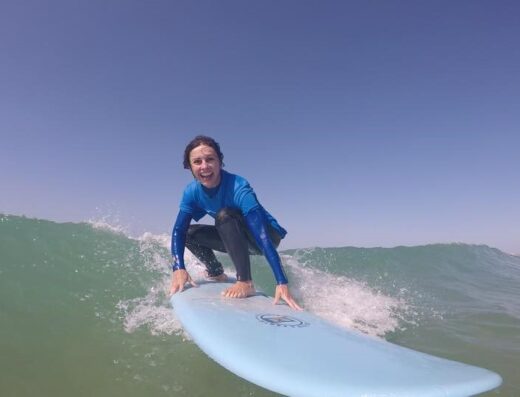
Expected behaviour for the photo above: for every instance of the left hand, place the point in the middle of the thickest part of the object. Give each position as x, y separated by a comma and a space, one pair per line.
282, 292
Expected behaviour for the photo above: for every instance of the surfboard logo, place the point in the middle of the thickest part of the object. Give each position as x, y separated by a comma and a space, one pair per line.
281, 321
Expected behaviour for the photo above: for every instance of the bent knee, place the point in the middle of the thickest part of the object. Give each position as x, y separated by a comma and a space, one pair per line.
227, 213
191, 233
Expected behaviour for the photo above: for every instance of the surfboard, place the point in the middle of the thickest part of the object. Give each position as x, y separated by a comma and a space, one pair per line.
298, 354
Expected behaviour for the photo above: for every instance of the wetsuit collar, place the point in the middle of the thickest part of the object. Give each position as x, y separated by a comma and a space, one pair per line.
211, 192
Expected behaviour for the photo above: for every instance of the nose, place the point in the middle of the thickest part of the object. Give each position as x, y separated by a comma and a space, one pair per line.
204, 164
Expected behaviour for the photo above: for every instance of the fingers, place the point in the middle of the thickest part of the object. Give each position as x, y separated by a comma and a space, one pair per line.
282, 292
292, 303
176, 287
179, 279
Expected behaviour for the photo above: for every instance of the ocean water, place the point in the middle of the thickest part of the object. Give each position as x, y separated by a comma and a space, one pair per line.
84, 309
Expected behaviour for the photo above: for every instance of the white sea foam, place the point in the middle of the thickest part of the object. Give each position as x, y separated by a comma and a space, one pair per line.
345, 302
105, 224
162, 239
153, 311
150, 311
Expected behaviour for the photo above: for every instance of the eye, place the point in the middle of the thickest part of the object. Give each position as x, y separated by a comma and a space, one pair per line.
196, 161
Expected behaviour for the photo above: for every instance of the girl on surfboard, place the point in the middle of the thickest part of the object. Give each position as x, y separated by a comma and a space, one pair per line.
242, 225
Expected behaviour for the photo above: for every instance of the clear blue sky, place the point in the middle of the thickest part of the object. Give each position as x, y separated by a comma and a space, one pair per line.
367, 123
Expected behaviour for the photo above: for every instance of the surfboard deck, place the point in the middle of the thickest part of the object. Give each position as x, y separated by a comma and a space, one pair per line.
298, 354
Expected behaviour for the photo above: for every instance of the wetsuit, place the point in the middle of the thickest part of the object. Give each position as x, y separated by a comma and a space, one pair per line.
242, 227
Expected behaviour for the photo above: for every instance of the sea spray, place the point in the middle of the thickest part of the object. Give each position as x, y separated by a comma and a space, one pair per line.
345, 302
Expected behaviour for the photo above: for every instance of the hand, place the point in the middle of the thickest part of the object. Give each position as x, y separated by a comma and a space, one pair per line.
282, 292
179, 279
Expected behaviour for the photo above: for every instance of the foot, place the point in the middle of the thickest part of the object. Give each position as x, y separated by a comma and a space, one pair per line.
241, 289
220, 278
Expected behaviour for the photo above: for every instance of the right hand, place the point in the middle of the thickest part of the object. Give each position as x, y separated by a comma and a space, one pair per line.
179, 279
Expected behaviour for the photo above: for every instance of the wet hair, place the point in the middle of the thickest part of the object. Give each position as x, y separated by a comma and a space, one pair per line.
201, 140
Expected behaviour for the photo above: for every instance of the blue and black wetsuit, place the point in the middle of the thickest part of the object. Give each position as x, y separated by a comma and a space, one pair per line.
242, 227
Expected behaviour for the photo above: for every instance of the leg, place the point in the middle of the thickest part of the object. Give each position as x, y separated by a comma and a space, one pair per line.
230, 226
201, 240
233, 232
230, 234
238, 241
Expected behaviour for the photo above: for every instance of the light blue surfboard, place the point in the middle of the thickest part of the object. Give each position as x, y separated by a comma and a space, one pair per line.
300, 355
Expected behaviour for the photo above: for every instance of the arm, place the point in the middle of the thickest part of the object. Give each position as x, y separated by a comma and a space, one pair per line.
179, 239
255, 221
180, 276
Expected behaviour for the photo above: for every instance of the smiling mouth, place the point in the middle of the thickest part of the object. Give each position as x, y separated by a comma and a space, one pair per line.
206, 176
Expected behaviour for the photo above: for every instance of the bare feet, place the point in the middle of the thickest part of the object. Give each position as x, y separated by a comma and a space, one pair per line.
220, 278
241, 289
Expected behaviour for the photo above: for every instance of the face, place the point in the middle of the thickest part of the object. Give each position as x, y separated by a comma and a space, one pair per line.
205, 166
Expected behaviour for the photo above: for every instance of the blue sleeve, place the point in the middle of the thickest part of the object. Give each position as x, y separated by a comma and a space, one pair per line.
255, 221
190, 202
179, 239
244, 196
